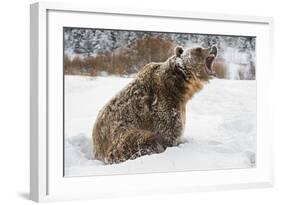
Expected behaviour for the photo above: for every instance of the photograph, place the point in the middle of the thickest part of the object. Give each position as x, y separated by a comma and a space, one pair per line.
140, 102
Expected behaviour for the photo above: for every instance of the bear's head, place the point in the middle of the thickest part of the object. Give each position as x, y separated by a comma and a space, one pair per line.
184, 74
198, 60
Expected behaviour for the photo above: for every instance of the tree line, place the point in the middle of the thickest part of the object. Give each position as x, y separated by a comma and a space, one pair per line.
95, 51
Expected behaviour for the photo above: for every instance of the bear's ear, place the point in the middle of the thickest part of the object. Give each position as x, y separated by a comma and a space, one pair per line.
178, 51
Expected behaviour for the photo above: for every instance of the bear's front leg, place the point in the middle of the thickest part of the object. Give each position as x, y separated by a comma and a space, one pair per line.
132, 144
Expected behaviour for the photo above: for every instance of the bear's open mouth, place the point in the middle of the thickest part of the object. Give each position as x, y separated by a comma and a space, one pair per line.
208, 65
209, 61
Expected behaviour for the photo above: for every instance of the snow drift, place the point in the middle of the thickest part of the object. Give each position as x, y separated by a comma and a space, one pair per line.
220, 131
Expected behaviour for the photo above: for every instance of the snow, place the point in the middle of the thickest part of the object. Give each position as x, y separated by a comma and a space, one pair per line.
220, 130
238, 62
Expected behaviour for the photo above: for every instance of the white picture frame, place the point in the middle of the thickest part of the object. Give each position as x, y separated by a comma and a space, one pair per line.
46, 177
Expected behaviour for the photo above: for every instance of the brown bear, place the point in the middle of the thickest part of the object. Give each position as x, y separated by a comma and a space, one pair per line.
148, 115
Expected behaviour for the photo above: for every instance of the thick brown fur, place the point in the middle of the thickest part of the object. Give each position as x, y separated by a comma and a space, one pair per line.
148, 115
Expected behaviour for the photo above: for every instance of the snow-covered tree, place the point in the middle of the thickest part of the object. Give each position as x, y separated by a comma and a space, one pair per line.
126, 51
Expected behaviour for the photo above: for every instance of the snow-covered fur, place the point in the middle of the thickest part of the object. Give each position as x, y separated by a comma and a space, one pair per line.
148, 115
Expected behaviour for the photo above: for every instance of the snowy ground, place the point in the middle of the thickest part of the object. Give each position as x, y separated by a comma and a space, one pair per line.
220, 130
